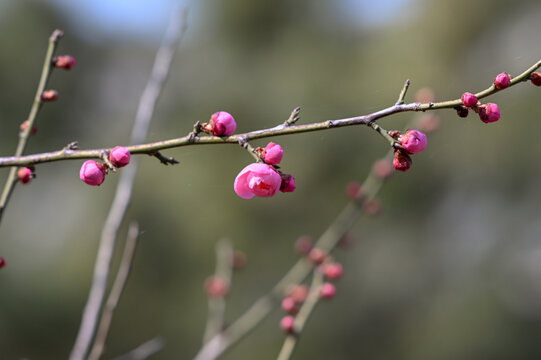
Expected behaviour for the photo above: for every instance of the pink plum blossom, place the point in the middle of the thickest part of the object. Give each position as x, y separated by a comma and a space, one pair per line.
469, 100
502, 81
92, 173
257, 180
119, 156
413, 141
288, 183
273, 154
489, 113
401, 161
222, 124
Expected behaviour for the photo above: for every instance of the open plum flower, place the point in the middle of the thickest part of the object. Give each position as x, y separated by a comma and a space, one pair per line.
257, 179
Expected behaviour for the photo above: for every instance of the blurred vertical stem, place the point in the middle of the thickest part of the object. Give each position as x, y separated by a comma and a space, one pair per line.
116, 292
302, 268
34, 110
301, 318
224, 270
160, 70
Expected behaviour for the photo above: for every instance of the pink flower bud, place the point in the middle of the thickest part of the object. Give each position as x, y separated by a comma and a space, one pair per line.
304, 244
24, 175
299, 293
535, 78
216, 287
288, 183
333, 271
382, 168
257, 180
65, 62
469, 100
119, 156
413, 141
327, 291
502, 81
222, 124
273, 153
287, 324
461, 111
2, 262
317, 256
289, 305
401, 161
49, 95
489, 113
354, 190
24, 126
92, 173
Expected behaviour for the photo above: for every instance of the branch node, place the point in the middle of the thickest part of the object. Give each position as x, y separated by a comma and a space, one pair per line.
403, 92
196, 130
105, 157
74, 145
166, 160
293, 117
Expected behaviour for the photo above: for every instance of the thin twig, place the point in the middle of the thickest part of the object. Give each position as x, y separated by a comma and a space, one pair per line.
279, 130
34, 110
144, 350
160, 70
224, 270
300, 319
116, 291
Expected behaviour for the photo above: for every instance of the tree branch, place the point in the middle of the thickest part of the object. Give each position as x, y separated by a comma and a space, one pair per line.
280, 130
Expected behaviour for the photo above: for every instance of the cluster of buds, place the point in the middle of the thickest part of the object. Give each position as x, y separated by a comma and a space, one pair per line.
295, 296
263, 179
93, 172
488, 113
412, 142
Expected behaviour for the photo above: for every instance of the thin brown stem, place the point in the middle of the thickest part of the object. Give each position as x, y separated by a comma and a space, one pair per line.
224, 270
280, 130
116, 292
34, 110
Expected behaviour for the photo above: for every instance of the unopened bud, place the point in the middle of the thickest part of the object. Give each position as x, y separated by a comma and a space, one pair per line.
502, 81
24, 175
49, 95
65, 62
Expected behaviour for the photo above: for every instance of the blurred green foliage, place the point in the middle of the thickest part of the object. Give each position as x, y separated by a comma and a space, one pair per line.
450, 269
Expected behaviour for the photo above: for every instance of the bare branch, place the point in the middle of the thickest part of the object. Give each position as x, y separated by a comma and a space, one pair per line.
123, 192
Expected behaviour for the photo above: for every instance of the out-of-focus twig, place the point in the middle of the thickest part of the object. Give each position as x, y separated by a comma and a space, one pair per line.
36, 106
224, 270
300, 319
116, 291
122, 197
144, 350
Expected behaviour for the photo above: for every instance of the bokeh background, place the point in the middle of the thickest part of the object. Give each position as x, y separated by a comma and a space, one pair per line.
451, 268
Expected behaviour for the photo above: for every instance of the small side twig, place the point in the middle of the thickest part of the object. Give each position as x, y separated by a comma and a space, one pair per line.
403, 92
294, 117
216, 305
166, 160
116, 291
